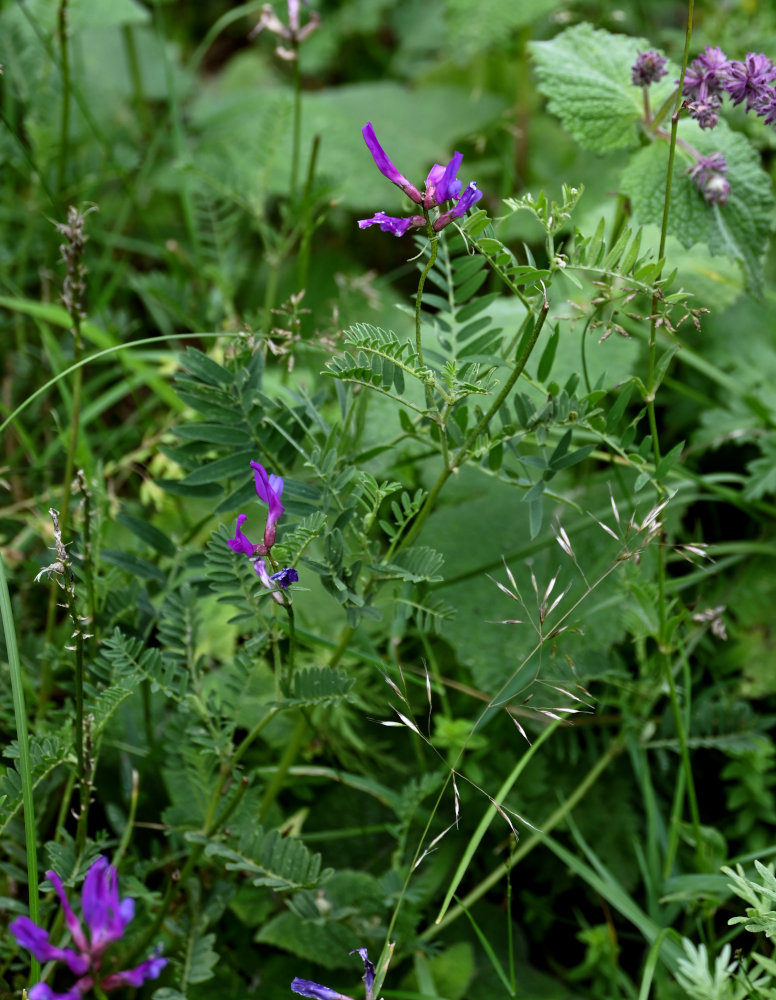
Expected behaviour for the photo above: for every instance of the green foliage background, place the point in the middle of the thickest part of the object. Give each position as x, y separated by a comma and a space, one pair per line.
518, 715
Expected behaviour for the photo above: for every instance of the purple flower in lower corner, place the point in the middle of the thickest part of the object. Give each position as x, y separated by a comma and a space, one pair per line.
306, 988
106, 917
442, 185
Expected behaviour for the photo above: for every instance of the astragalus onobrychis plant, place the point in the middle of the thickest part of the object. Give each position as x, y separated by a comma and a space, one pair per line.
354, 603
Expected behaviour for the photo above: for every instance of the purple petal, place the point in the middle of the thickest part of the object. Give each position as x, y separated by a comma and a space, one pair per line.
105, 916
392, 224
369, 970
241, 543
269, 489
384, 165
285, 577
150, 969
36, 940
470, 197
71, 920
450, 186
264, 576
307, 989
42, 991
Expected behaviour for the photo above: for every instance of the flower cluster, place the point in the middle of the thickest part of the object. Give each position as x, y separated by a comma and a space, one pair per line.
269, 489
306, 988
442, 185
648, 68
708, 78
712, 75
293, 33
106, 917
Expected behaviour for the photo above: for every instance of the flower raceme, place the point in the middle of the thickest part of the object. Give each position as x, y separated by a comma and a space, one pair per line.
442, 185
269, 489
106, 917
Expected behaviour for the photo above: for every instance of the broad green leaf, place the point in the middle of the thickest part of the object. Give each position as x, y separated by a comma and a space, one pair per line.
739, 229
586, 74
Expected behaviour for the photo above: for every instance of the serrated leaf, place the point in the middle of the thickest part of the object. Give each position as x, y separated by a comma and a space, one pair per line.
739, 229
586, 74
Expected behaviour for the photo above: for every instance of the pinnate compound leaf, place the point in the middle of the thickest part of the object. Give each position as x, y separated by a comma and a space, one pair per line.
268, 858
586, 74
738, 229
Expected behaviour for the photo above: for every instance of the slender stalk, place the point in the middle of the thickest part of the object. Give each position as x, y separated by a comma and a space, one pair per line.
284, 764
297, 123
25, 770
434, 238
484, 421
663, 641
64, 111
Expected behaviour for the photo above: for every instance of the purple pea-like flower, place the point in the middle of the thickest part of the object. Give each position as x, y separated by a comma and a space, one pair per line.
391, 223
306, 988
707, 75
384, 165
315, 991
442, 185
748, 80
106, 918
282, 579
269, 489
648, 68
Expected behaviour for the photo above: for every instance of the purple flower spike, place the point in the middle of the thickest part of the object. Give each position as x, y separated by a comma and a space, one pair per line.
748, 80
392, 224
314, 990
384, 165
270, 490
106, 916
648, 68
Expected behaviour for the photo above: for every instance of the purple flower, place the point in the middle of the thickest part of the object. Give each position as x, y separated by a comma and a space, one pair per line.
442, 185
470, 197
317, 992
708, 176
282, 579
706, 112
293, 33
392, 224
766, 106
707, 75
748, 80
308, 989
269, 489
648, 68
384, 165
106, 917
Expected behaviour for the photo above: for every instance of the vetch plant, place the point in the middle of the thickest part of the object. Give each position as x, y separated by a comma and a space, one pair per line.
306, 988
106, 918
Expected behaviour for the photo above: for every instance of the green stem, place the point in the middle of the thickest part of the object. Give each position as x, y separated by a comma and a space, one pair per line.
64, 120
522, 360
297, 123
528, 845
25, 772
434, 238
289, 756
